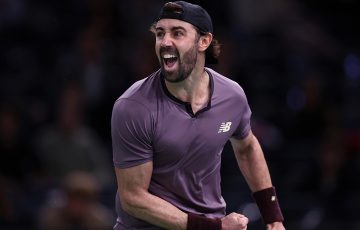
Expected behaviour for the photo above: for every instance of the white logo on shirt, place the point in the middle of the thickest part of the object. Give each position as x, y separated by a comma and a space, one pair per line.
225, 127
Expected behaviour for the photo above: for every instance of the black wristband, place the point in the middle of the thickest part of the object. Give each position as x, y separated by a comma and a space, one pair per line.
268, 204
197, 222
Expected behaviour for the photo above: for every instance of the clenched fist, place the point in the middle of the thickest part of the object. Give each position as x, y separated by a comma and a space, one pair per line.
234, 221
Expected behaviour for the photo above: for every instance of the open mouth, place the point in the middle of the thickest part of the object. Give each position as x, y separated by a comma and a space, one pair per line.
170, 60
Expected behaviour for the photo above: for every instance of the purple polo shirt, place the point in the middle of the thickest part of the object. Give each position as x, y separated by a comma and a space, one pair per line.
149, 124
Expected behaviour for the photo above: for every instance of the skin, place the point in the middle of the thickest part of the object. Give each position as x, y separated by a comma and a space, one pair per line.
252, 164
188, 81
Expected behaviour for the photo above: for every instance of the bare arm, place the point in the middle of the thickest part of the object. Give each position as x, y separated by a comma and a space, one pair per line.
135, 199
133, 184
251, 161
253, 166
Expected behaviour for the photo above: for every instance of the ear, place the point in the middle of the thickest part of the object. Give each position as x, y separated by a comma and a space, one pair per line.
205, 41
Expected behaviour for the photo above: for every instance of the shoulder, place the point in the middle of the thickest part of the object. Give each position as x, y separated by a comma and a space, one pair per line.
131, 118
139, 95
142, 88
136, 101
129, 107
226, 86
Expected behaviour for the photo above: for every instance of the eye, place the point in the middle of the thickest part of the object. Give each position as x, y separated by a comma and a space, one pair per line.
159, 34
178, 33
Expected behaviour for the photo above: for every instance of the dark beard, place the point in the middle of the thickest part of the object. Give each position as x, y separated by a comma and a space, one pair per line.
186, 65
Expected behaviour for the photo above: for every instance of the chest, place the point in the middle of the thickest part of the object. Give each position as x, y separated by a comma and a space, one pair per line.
180, 137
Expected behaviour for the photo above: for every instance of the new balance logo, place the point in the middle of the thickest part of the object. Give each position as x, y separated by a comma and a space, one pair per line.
225, 127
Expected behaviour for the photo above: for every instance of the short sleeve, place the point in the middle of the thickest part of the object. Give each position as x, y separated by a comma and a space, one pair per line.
244, 125
131, 133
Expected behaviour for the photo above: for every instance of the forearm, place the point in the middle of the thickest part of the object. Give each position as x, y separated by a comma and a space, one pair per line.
154, 210
253, 165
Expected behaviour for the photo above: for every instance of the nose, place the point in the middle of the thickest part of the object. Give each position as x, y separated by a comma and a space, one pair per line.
166, 40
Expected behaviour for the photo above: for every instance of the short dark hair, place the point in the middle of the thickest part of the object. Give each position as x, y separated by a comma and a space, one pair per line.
212, 53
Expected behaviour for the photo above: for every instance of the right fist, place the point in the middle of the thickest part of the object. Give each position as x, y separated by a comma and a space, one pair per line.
234, 221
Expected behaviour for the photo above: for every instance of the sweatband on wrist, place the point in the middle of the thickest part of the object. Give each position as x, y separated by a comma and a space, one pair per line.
197, 222
268, 205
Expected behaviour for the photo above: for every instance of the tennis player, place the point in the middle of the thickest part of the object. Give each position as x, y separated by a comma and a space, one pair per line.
169, 130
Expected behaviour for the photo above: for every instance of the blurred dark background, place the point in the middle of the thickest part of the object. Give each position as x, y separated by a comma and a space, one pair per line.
64, 63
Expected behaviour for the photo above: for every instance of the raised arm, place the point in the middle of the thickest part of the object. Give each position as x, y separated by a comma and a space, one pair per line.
133, 184
253, 166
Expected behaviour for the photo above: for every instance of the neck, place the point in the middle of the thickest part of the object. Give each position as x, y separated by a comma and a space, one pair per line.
195, 89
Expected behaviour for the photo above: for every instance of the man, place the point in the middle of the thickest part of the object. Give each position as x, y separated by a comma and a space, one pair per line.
169, 129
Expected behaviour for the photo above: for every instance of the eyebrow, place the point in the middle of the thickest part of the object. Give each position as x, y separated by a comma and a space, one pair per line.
172, 28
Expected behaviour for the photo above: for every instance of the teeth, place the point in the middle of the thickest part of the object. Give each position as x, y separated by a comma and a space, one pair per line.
169, 56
